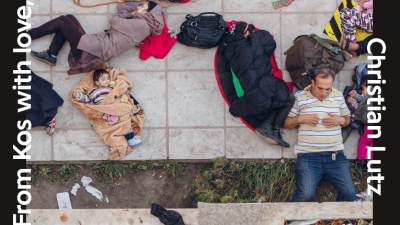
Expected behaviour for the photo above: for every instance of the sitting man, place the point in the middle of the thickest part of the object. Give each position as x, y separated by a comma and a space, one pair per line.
320, 111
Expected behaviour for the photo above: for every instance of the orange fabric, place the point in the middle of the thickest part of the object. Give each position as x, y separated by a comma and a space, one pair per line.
115, 116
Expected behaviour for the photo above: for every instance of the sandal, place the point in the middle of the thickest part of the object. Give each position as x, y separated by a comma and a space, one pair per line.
344, 39
347, 55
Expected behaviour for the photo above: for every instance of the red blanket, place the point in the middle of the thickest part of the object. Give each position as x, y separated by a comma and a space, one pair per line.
157, 46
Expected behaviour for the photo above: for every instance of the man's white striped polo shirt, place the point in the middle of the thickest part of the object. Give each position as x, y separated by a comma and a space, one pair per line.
319, 138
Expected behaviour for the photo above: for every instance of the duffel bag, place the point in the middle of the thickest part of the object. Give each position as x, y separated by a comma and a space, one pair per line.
202, 31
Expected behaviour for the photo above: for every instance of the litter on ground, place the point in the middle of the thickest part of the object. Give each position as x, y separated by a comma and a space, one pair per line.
75, 188
94, 191
63, 201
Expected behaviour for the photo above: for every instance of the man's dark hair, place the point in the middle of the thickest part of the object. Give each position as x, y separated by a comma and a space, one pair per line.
98, 73
366, 78
241, 26
324, 73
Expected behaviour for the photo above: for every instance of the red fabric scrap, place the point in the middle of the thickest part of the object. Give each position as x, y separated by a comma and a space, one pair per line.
157, 46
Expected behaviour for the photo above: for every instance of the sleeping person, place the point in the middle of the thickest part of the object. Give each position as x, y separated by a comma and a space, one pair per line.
266, 97
96, 95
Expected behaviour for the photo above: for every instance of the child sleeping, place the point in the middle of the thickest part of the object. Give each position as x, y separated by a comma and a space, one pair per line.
96, 95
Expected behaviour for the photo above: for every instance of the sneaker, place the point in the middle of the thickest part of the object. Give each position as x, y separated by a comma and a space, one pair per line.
135, 141
51, 126
44, 57
265, 132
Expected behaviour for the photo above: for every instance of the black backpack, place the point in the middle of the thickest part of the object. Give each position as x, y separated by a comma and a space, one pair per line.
202, 31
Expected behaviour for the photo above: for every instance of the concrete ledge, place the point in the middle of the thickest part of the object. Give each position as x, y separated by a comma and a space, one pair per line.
277, 213
105, 217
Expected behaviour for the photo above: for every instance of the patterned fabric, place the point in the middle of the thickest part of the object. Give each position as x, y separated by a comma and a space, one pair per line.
334, 30
277, 4
350, 19
95, 95
319, 138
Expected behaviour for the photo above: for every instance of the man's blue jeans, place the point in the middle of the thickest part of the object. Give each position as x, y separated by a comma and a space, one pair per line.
311, 167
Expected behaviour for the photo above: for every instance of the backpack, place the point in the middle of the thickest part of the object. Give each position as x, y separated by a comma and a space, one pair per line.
310, 52
202, 31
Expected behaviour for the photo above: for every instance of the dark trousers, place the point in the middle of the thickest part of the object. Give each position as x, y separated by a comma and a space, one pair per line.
311, 167
65, 28
277, 117
363, 45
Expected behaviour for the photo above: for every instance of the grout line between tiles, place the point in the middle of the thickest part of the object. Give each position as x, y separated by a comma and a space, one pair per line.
166, 96
52, 81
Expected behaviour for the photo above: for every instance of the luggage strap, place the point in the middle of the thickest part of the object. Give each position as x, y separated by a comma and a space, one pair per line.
334, 49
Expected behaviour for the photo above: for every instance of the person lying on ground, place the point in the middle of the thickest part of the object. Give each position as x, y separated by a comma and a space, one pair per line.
321, 111
135, 21
265, 97
359, 118
351, 19
96, 95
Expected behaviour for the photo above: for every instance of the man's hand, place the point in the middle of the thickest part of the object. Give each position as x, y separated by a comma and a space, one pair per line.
351, 99
352, 93
334, 120
310, 119
133, 13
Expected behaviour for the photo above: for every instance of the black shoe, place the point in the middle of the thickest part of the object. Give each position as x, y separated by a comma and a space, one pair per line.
44, 57
362, 162
281, 142
265, 132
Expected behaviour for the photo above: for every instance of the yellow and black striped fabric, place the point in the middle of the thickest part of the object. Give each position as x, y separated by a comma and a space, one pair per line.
334, 29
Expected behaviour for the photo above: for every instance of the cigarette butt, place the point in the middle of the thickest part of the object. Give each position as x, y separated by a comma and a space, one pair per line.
118, 184
96, 205
77, 175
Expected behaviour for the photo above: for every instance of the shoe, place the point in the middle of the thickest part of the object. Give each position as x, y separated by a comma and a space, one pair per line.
281, 142
362, 162
135, 141
265, 132
44, 57
51, 126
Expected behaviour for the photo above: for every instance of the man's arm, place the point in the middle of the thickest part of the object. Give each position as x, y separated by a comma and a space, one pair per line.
292, 122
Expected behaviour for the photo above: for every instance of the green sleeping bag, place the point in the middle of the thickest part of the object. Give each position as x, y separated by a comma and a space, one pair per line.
236, 83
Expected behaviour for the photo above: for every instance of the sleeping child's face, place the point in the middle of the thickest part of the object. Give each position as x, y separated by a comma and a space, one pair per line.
104, 80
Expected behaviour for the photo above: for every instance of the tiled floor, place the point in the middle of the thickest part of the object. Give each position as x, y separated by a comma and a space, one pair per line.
186, 116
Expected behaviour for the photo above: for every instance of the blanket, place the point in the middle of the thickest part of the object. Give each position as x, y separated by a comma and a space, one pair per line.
334, 28
116, 115
157, 46
277, 4
44, 101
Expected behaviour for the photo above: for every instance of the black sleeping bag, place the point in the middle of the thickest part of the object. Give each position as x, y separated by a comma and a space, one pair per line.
249, 59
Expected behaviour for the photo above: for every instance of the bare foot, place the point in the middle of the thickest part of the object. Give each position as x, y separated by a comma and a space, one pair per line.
354, 47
